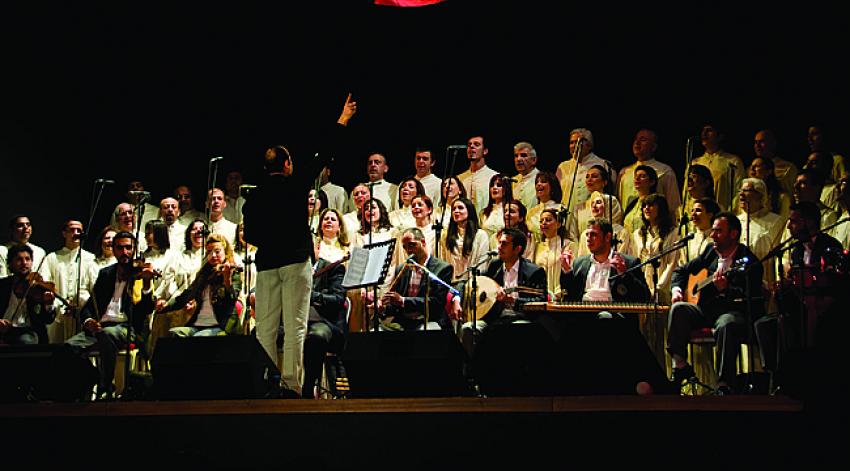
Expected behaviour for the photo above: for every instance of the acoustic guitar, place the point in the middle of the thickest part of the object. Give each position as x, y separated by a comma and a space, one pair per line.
703, 279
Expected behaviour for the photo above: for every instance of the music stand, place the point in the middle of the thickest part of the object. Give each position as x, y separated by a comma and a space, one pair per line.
367, 268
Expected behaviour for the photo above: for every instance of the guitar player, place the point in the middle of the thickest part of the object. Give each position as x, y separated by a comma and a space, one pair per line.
722, 304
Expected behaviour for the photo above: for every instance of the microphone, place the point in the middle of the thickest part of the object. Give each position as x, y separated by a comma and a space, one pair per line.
410, 259
143, 194
78, 236
247, 187
509, 179
457, 147
104, 181
492, 253
216, 159
688, 237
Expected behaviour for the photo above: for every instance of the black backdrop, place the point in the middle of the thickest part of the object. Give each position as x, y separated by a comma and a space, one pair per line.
140, 91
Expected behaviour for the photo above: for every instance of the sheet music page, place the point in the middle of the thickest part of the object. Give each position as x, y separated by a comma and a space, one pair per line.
356, 267
377, 256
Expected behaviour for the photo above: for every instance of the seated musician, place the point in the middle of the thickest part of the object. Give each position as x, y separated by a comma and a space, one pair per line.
26, 310
407, 301
589, 277
722, 305
820, 286
117, 298
326, 323
520, 281
211, 297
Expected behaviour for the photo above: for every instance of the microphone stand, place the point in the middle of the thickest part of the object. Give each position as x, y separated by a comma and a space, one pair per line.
472, 275
749, 388
449, 172
99, 186
375, 321
576, 154
211, 176
683, 218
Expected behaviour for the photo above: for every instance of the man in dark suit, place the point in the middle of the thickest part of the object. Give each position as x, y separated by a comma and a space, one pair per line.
121, 294
327, 323
23, 318
723, 305
601, 275
520, 282
418, 300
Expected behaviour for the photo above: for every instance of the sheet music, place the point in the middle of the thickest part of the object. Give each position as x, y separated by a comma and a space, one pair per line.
365, 266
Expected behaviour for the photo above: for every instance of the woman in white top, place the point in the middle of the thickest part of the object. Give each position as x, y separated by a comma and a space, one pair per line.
463, 244
106, 257
193, 256
702, 214
408, 189
548, 196
516, 216
165, 261
646, 183
547, 252
359, 196
374, 228
316, 202
332, 245
452, 190
492, 217
597, 179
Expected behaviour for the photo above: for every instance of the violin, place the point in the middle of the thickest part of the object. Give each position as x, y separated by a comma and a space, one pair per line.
140, 264
35, 288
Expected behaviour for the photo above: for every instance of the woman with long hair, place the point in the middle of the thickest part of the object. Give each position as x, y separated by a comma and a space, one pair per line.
596, 207
548, 196
211, 298
492, 217
779, 200
105, 257
464, 244
408, 189
597, 179
332, 243
547, 252
452, 189
646, 183
516, 216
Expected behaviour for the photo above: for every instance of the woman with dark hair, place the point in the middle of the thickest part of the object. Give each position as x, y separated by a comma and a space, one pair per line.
105, 257
698, 184
192, 258
452, 190
492, 217
702, 215
547, 252
374, 228
165, 261
549, 195
317, 201
646, 183
516, 217
655, 234
778, 199
408, 189
464, 244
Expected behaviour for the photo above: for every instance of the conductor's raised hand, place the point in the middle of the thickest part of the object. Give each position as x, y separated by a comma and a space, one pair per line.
348, 110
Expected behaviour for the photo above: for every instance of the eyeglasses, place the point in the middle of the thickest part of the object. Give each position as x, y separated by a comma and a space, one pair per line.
523, 155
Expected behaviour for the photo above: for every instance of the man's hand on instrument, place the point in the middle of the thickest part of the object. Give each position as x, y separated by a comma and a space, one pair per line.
455, 310
160, 305
618, 262
5, 325
92, 326
677, 296
720, 281
393, 298
567, 260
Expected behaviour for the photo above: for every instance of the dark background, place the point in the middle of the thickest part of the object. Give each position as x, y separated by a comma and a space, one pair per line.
141, 91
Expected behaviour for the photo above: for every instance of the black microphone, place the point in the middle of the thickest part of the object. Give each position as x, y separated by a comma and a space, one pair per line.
688, 237
104, 181
78, 235
492, 253
457, 147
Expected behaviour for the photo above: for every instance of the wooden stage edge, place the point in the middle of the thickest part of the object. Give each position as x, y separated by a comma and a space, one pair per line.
451, 405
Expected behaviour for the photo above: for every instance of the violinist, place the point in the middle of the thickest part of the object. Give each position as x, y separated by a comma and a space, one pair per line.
60, 267
26, 309
116, 312
211, 297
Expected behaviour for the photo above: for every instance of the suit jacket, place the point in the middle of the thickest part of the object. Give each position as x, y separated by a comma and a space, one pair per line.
631, 287
223, 299
104, 287
713, 302
328, 296
39, 317
529, 276
436, 301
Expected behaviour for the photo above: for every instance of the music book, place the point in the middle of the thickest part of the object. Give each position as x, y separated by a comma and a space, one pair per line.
368, 265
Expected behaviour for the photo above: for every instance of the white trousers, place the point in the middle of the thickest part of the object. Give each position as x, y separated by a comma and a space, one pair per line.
284, 293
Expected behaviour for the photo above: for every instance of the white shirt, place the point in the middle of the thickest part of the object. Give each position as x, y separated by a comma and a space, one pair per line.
525, 189
336, 196
477, 186
432, 184
233, 211
511, 278
177, 236
596, 287
60, 267
225, 228
565, 173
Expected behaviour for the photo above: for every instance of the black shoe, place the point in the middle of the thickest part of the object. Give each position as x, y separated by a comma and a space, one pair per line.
680, 375
723, 390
